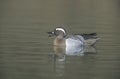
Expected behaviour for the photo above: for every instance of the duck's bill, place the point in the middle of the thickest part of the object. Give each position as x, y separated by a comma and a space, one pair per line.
50, 34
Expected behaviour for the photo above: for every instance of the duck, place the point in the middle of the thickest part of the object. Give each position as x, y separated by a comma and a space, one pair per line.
75, 40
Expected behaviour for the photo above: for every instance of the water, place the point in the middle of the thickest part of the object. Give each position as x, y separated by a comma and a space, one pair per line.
26, 51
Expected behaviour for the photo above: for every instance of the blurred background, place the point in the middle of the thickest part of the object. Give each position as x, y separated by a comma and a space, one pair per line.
26, 51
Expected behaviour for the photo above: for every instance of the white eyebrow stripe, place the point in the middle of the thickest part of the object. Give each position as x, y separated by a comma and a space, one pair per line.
61, 30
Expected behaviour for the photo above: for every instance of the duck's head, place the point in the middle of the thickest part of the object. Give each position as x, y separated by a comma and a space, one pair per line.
58, 31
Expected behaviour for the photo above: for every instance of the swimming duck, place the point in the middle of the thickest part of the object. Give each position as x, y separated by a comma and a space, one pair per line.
62, 39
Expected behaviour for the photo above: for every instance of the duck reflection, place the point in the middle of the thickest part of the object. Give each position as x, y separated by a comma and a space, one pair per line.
60, 54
